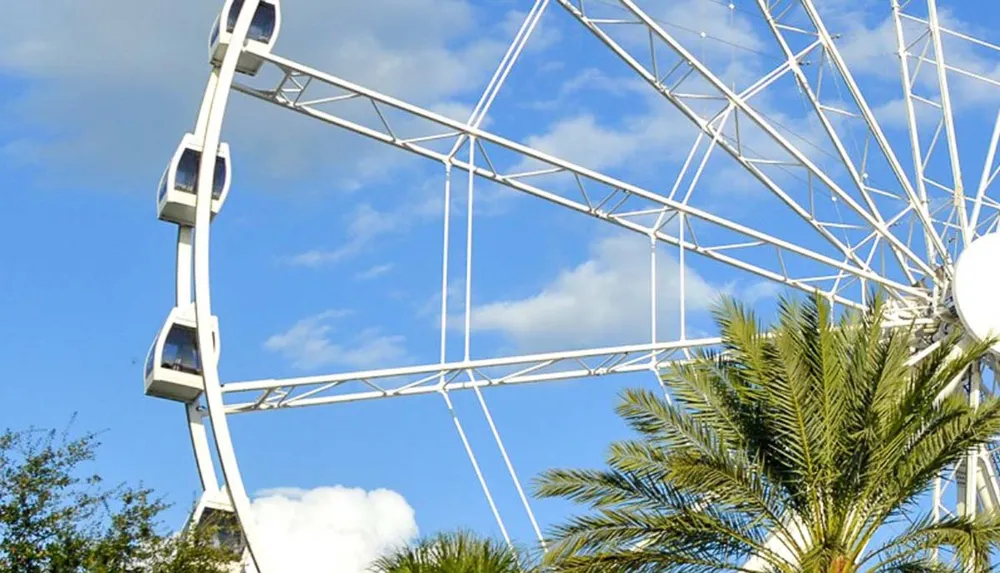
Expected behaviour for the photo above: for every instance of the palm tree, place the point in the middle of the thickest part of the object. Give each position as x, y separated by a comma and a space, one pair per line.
815, 432
457, 552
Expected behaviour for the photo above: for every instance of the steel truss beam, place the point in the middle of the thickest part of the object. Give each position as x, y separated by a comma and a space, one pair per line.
464, 375
583, 190
322, 389
867, 215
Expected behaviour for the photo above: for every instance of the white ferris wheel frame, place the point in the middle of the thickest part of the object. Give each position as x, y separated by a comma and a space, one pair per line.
601, 196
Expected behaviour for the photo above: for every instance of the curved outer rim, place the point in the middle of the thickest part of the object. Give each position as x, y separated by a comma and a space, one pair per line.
208, 131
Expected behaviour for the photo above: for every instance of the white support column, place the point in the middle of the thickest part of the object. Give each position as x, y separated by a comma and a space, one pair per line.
502, 71
652, 293
202, 452
446, 243
475, 467
183, 288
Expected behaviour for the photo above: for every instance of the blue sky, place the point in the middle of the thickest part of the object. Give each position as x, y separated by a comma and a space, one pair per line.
329, 246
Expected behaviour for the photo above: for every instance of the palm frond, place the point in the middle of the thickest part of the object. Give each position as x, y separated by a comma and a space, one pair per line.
794, 445
452, 552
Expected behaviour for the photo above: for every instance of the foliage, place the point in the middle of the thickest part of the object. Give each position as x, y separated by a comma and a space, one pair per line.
815, 430
55, 520
458, 552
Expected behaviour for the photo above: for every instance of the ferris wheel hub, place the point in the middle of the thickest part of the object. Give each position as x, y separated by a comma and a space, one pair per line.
976, 288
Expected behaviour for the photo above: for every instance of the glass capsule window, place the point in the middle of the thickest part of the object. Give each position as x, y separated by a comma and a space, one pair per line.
226, 532
187, 171
219, 179
262, 25
186, 178
180, 350
162, 192
214, 37
151, 359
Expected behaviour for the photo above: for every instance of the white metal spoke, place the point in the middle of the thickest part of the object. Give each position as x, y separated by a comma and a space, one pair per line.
948, 118
475, 466
580, 189
989, 175
830, 115
790, 154
506, 65
920, 47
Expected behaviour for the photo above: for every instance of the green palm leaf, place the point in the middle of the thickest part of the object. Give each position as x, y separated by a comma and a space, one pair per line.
816, 432
458, 552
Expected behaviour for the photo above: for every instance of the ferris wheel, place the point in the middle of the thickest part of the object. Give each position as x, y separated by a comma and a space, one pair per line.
907, 207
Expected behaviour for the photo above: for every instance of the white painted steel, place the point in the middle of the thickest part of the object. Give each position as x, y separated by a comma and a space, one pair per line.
177, 383
918, 290
220, 38
612, 185
977, 276
177, 205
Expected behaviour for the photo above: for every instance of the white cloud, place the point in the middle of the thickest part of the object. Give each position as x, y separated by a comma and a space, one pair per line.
143, 64
331, 529
581, 140
375, 272
717, 22
366, 223
604, 300
870, 48
319, 258
650, 134
309, 344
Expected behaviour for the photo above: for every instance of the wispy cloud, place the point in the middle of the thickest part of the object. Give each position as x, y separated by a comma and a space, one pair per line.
374, 272
310, 344
365, 224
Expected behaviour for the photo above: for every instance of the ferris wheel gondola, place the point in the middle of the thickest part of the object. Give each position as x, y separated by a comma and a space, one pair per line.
215, 512
175, 197
263, 33
174, 366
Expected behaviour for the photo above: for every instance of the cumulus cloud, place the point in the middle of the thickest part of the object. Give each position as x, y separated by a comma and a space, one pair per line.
604, 300
331, 529
310, 344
